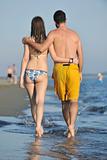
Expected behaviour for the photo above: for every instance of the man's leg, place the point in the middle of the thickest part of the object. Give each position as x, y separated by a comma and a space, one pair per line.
73, 111
73, 88
65, 112
66, 115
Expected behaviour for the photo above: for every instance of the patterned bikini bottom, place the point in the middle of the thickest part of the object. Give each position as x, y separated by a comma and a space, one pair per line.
34, 74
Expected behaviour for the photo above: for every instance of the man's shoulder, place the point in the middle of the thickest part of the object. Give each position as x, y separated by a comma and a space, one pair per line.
74, 32
52, 33
75, 35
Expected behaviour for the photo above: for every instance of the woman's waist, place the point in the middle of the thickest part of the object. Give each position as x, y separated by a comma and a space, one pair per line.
37, 63
37, 67
38, 57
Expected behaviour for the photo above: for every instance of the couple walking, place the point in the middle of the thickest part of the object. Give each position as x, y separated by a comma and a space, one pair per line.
64, 46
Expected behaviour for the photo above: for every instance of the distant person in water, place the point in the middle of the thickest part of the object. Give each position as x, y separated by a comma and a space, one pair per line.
10, 74
34, 70
100, 76
67, 76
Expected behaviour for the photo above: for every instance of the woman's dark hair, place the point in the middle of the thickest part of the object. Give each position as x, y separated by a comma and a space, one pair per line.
38, 29
59, 17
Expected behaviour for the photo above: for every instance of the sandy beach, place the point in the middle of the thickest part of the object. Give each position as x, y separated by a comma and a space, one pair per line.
10, 96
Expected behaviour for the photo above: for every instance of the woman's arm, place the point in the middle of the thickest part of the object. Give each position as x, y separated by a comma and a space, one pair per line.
23, 65
60, 59
55, 57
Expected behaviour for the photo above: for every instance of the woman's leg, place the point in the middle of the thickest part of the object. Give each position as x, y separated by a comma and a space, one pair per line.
29, 85
31, 92
41, 86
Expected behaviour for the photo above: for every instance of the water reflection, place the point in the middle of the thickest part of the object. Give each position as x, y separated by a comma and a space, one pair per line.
59, 149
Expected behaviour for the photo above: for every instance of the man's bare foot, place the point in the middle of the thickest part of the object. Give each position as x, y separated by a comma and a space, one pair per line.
69, 135
71, 131
42, 130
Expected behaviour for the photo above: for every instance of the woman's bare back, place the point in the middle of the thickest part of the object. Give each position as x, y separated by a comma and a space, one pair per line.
37, 61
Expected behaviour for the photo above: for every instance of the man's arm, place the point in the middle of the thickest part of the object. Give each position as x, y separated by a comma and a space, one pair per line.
80, 56
43, 46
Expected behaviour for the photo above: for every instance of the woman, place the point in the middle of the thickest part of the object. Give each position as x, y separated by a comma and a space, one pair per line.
34, 72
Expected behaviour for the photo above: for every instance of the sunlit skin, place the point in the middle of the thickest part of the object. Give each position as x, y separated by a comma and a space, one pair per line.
37, 61
67, 44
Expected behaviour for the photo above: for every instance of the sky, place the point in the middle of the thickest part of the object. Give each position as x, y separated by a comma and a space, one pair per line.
87, 17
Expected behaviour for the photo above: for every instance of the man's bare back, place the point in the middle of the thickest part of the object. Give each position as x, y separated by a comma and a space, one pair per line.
65, 42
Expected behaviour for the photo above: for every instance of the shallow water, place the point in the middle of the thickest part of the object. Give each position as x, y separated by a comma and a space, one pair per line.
17, 139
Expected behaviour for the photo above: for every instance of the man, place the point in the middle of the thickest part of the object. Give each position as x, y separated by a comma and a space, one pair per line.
66, 76
10, 74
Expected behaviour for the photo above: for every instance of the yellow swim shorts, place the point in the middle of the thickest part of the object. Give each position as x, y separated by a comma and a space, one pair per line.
66, 81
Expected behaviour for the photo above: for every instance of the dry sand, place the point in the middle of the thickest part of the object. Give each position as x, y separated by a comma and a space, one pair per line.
12, 99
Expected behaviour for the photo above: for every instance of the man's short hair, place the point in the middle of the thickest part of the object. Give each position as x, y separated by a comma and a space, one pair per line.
59, 17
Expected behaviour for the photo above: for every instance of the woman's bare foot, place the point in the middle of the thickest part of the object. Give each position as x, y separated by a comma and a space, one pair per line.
39, 131
71, 132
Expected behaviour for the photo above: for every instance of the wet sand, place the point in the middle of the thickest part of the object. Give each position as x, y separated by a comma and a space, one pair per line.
12, 99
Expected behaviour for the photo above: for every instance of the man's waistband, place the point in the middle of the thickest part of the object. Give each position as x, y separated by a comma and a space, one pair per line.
66, 64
